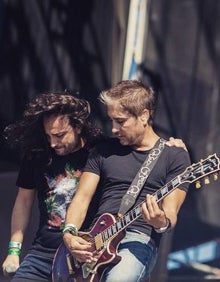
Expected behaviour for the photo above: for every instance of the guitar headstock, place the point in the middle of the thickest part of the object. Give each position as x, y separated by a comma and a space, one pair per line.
202, 169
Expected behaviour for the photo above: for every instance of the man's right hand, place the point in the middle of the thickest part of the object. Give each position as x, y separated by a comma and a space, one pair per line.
10, 265
81, 249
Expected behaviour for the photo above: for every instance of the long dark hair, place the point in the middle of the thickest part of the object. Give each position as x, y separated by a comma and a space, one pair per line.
28, 133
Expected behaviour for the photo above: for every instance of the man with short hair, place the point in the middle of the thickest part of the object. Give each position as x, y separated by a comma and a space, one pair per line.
111, 168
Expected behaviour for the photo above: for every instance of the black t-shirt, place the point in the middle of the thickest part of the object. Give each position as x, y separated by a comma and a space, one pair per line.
117, 165
55, 182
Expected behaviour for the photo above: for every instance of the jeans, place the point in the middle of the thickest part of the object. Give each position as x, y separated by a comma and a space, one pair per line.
138, 253
34, 268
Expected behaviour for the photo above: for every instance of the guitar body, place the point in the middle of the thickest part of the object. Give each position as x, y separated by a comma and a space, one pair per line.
108, 232
67, 269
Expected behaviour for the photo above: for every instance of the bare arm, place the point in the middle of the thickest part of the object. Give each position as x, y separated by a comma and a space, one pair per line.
20, 217
77, 209
21, 213
76, 214
156, 213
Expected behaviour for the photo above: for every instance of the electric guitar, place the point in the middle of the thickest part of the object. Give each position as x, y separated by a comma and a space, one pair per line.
108, 231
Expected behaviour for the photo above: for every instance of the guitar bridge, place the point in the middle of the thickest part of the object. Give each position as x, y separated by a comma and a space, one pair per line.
87, 269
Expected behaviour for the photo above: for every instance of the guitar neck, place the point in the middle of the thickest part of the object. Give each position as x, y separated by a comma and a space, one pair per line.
124, 221
166, 189
191, 174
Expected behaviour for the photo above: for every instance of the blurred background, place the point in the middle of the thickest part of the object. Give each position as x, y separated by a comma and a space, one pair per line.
89, 45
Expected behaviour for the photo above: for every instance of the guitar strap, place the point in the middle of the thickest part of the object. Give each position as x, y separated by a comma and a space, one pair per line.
134, 189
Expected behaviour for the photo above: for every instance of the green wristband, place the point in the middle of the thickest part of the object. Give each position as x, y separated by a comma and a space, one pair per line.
16, 252
70, 228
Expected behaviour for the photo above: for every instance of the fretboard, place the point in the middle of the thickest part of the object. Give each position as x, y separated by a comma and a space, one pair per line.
191, 174
135, 213
166, 189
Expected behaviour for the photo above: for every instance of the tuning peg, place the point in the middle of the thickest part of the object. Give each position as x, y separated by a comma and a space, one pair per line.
206, 180
215, 176
198, 184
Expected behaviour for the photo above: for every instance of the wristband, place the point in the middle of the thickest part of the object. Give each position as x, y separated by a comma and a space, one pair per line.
70, 228
16, 252
165, 228
13, 244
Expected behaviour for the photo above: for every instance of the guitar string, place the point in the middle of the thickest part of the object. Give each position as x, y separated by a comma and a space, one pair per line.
159, 195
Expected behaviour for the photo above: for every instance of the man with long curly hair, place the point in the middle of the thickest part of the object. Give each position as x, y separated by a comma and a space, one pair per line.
55, 135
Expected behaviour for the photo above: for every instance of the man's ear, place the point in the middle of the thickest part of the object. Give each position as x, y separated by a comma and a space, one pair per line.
145, 117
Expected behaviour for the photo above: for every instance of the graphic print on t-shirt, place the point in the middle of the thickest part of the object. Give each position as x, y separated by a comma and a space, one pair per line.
61, 190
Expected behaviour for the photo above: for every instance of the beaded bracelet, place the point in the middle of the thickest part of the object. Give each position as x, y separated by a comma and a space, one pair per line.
70, 228
16, 252
13, 244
